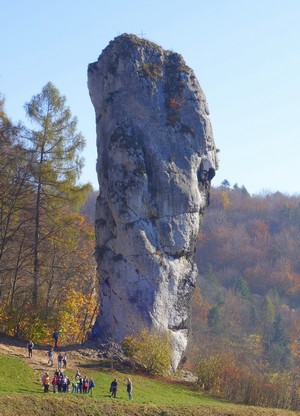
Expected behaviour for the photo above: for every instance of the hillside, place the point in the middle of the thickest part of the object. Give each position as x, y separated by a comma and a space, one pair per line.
21, 391
246, 310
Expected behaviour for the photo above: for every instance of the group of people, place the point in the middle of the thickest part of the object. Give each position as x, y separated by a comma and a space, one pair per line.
61, 359
30, 346
60, 383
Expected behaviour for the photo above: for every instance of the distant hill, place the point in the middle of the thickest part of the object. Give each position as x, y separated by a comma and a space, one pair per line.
246, 315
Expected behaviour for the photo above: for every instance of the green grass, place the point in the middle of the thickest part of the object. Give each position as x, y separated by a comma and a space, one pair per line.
146, 390
16, 376
21, 393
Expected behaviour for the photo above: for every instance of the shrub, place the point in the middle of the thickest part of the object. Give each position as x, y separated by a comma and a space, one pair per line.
210, 372
150, 349
151, 70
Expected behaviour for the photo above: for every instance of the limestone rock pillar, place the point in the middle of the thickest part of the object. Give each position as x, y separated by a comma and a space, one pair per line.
156, 158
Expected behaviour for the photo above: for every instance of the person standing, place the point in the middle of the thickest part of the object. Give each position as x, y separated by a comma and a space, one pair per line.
75, 385
46, 381
50, 355
54, 383
55, 337
129, 388
60, 382
77, 374
59, 361
91, 386
113, 388
85, 385
65, 358
80, 384
65, 384
30, 347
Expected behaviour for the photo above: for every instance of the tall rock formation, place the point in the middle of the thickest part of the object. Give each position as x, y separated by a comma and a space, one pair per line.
156, 158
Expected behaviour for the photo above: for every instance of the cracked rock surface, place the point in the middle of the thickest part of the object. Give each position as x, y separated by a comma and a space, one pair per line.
156, 158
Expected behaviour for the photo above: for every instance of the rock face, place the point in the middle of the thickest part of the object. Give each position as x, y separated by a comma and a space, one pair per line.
156, 158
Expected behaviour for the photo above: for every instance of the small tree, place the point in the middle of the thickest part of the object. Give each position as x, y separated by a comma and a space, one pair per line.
210, 372
225, 183
151, 350
242, 288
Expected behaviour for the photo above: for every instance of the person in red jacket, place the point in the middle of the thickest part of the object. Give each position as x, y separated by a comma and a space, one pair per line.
54, 383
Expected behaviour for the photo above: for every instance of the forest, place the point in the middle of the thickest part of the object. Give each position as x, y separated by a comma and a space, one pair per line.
245, 314
47, 268
245, 342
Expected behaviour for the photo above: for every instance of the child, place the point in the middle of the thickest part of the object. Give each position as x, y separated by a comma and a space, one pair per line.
45, 381
91, 385
75, 385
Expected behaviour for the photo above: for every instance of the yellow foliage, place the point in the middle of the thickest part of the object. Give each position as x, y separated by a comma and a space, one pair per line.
254, 344
210, 371
225, 200
77, 316
151, 349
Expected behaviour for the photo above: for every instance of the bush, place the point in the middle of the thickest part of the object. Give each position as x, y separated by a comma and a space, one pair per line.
210, 372
224, 377
151, 350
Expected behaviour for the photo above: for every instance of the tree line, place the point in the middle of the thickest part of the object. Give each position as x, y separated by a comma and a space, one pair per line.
245, 340
47, 269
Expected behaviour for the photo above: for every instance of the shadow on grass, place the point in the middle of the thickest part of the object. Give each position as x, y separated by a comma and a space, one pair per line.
105, 365
21, 342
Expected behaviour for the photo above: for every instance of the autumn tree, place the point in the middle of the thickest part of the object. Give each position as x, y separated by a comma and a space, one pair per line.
15, 204
43, 238
55, 146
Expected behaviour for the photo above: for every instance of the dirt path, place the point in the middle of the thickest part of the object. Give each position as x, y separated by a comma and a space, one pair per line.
39, 359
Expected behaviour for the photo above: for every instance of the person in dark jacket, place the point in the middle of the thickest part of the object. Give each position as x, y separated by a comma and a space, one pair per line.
55, 337
30, 347
91, 385
113, 388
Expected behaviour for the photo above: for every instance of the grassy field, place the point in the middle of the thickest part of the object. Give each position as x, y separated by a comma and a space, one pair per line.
21, 393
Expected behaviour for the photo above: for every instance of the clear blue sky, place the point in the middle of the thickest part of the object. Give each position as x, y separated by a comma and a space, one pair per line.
245, 53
